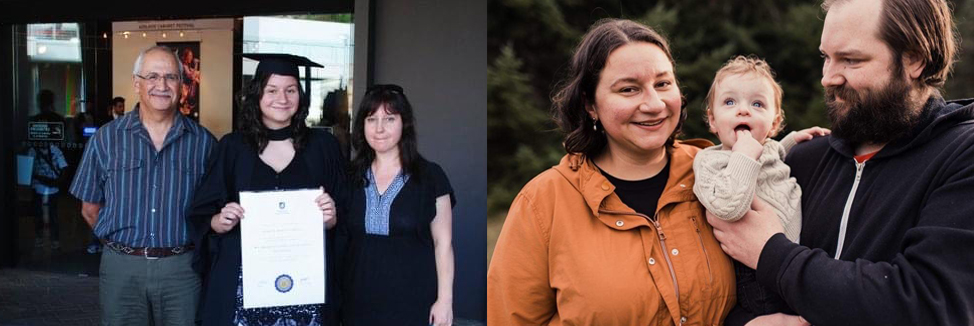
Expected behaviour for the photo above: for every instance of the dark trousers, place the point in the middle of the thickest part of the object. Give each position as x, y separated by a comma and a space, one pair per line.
755, 298
50, 201
134, 290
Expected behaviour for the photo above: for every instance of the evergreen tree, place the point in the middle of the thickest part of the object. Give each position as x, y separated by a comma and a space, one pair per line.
530, 44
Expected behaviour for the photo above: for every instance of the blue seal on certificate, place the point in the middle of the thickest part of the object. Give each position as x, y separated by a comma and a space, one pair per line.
284, 283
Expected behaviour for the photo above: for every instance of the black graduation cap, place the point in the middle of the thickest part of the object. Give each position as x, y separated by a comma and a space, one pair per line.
284, 64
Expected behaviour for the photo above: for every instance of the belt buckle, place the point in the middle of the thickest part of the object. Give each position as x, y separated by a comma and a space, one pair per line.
145, 253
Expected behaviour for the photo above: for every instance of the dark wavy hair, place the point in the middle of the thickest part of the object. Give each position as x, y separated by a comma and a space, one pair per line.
395, 102
577, 89
251, 125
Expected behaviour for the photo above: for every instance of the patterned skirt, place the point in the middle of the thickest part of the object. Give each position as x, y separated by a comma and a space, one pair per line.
301, 315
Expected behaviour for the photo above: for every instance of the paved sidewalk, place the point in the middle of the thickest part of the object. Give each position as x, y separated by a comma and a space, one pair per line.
44, 298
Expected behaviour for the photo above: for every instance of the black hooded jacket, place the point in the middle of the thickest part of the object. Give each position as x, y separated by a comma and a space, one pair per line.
908, 253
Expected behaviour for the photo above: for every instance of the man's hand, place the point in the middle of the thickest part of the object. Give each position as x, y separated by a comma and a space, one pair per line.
747, 145
744, 239
808, 134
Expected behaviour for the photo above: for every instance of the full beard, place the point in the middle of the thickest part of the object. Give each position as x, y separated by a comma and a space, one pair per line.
872, 117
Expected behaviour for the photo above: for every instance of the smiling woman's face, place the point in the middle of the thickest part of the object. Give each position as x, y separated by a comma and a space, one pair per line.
637, 100
279, 101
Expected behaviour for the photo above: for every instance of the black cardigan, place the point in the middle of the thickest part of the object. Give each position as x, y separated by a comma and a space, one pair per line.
217, 256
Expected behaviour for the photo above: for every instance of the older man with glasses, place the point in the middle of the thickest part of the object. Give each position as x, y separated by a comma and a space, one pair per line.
135, 180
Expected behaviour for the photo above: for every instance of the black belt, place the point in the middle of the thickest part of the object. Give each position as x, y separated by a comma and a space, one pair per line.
148, 252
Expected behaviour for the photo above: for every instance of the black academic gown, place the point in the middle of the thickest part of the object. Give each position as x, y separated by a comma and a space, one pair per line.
232, 168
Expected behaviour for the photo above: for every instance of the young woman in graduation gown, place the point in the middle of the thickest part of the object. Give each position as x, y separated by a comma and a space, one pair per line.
398, 265
274, 150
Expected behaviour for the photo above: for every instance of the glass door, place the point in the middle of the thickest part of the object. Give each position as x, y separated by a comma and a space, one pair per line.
54, 122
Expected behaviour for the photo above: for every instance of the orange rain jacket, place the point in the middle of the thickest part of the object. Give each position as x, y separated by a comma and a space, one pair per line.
571, 253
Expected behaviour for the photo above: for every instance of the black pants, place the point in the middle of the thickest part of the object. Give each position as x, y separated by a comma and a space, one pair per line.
755, 298
51, 202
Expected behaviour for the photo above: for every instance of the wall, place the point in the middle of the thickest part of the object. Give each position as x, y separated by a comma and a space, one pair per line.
216, 53
437, 51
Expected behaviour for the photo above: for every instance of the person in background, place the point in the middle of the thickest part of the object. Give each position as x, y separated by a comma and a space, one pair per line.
116, 108
49, 165
45, 104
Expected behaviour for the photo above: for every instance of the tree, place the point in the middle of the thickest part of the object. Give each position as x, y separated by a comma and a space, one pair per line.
530, 42
520, 133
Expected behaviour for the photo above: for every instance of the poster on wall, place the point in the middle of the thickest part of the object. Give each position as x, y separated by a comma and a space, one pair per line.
189, 57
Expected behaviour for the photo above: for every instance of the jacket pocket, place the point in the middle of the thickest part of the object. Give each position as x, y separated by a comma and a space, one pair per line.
703, 246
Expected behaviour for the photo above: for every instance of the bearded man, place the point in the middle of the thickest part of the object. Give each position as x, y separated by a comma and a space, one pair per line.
888, 229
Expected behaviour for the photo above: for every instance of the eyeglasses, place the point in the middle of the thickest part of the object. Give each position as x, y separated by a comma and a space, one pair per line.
385, 87
155, 78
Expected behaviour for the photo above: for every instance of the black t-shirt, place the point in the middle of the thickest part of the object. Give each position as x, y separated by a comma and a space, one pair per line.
641, 195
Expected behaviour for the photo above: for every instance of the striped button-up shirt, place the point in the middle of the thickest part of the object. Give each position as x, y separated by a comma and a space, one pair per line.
144, 193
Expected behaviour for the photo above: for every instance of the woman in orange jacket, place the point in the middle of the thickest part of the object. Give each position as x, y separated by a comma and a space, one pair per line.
613, 235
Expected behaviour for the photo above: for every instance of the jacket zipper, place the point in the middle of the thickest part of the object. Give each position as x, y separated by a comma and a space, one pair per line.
710, 270
662, 241
848, 206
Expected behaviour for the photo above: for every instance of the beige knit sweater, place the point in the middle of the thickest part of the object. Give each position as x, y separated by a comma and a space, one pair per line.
726, 183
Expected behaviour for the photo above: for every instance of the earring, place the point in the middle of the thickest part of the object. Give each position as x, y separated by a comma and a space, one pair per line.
595, 124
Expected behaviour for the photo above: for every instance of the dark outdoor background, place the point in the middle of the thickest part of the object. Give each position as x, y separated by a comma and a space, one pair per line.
529, 44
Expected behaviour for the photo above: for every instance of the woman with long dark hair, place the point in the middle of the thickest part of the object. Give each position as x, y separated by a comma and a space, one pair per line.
613, 234
273, 150
398, 268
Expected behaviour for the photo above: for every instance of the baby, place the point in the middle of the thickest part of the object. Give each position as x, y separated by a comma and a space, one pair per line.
744, 110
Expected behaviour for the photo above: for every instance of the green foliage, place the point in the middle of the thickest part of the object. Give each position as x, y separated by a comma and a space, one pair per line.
519, 130
530, 43
959, 85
